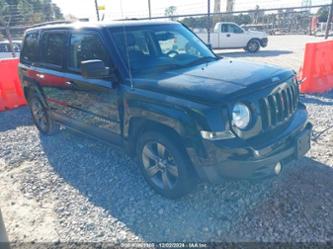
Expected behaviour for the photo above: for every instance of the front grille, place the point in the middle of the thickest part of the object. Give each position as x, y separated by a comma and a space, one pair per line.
278, 107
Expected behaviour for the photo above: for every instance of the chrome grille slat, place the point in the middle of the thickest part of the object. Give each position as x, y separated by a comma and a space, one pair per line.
290, 100
284, 99
278, 107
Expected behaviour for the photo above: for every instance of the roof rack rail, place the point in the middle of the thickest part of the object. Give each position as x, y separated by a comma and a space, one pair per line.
51, 23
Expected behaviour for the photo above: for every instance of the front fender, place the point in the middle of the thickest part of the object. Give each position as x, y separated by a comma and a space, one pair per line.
163, 114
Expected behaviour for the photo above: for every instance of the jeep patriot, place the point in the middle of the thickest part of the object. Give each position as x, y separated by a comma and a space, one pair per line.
156, 90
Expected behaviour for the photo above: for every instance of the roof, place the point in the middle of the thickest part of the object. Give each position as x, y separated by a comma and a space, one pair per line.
97, 25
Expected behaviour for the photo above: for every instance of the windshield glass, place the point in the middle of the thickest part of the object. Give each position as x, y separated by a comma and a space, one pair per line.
154, 48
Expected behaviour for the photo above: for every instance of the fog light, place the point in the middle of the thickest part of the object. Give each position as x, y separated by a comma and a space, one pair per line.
278, 168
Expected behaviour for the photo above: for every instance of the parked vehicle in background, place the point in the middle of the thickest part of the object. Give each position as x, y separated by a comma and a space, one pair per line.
156, 90
7, 52
265, 28
229, 35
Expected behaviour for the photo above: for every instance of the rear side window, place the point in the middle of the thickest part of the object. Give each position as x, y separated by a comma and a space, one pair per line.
30, 48
53, 45
85, 47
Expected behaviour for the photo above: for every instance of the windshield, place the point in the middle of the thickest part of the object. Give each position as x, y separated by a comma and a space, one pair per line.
154, 48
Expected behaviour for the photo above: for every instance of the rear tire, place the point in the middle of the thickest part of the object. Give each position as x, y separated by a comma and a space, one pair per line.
41, 118
253, 46
164, 165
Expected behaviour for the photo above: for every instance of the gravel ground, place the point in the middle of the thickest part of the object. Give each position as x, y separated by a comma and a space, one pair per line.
71, 188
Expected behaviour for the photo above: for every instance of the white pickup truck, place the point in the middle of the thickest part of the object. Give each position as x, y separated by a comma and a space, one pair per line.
229, 35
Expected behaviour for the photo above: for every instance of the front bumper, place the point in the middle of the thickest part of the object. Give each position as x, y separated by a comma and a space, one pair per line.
237, 158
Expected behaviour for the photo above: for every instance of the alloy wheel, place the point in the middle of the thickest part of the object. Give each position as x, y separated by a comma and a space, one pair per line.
253, 46
39, 114
160, 165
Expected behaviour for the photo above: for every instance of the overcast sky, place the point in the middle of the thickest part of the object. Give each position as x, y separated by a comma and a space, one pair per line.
116, 9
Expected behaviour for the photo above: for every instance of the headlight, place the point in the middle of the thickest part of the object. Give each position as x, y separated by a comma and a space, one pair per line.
241, 116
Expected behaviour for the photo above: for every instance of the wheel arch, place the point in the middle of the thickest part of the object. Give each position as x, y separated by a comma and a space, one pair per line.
140, 125
253, 39
32, 87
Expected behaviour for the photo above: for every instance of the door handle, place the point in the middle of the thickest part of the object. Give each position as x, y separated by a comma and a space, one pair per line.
228, 35
71, 84
41, 76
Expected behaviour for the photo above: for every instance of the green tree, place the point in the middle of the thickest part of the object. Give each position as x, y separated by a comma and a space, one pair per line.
28, 12
323, 14
170, 11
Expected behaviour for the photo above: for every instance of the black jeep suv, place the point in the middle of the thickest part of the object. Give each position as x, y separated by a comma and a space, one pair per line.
155, 89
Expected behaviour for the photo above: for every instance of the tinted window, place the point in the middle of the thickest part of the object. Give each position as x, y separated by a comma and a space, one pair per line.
30, 48
231, 28
224, 28
53, 48
235, 29
85, 47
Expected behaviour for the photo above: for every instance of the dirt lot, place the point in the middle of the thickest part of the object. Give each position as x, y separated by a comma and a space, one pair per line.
71, 188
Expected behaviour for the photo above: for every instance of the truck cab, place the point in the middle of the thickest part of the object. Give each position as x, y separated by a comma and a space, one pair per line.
228, 35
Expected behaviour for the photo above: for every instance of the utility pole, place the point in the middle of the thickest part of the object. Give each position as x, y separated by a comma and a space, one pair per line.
97, 11
329, 20
230, 5
149, 8
208, 22
217, 9
9, 37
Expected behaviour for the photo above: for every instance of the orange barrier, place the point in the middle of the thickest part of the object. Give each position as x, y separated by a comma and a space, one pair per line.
11, 93
317, 70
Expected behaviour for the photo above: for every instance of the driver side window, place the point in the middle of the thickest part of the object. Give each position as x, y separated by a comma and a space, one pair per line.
231, 28
85, 47
235, 29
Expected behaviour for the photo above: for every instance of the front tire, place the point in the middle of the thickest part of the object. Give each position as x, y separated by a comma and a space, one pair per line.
164, 165
253, 46
41, 118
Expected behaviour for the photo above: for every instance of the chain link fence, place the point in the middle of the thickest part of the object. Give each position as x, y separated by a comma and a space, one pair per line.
273, 21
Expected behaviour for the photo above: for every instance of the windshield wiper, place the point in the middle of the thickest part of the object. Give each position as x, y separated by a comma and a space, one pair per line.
201, 60
167, 67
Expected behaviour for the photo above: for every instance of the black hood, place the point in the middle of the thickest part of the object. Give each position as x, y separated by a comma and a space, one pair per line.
216, 81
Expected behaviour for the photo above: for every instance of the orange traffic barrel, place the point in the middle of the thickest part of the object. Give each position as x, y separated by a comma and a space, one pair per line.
317, 70
11, 92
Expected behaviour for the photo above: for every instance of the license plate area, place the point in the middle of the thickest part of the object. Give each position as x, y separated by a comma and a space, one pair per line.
303, 143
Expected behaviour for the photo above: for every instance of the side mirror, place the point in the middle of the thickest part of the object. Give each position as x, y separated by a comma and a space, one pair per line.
94, 69
209, 46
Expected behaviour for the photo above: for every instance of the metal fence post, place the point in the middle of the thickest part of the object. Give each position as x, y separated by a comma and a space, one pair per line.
149, 9
329, 20
97, 10
208, 22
